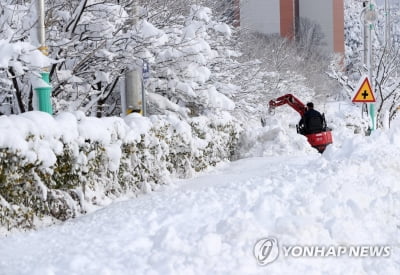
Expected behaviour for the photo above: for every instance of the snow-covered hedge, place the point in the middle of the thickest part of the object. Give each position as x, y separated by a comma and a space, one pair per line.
63, 166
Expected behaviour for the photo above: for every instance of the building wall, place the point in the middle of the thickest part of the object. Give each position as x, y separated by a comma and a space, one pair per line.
287, 18
261, 15
319, 12
279, 17
338, 26
236, 13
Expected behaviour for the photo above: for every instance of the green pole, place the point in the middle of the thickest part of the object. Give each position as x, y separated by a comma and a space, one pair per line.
44, 95
372, 114
44, 92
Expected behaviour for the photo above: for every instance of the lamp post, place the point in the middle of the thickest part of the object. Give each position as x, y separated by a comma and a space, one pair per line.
370, 17
132, 91
43, 92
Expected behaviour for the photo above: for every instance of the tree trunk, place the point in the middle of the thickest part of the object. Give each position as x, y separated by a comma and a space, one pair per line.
17, 91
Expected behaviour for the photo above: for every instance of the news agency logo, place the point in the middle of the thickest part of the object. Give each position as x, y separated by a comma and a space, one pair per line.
267, 250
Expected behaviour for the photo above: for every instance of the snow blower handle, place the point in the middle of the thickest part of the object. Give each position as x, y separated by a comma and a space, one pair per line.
289, 99
271, 112
271, 107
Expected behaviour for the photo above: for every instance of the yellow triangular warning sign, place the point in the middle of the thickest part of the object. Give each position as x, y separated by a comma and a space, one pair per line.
364, 93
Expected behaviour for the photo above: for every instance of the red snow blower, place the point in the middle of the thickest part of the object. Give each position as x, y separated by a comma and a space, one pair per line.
318, 137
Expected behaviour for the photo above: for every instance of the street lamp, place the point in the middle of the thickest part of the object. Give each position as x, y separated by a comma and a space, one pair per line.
369, 17
43, 92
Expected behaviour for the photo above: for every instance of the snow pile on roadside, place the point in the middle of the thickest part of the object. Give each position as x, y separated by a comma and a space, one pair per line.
279, 136
347, 196
209, 225
273, 140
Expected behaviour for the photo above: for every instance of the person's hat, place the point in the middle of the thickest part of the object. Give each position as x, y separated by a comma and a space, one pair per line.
310, 105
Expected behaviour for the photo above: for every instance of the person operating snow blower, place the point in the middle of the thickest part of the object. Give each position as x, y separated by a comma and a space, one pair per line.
311, 122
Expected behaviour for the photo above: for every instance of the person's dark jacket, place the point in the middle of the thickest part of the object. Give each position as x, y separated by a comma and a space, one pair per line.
311, 122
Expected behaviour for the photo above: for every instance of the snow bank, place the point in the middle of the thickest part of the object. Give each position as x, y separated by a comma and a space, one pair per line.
210, 224
63, 166
275, 139
349, 195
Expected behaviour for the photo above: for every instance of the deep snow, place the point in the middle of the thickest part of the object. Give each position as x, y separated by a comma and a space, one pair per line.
349, 195
209, 225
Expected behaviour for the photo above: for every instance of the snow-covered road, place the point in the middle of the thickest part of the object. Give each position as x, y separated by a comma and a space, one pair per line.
210, 224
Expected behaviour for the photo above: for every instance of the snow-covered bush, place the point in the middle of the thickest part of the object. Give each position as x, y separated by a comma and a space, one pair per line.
64, 166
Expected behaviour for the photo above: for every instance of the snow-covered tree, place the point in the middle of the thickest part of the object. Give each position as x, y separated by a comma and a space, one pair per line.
93, 43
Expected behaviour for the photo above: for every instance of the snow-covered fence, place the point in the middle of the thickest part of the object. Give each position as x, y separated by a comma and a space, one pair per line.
64, 166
